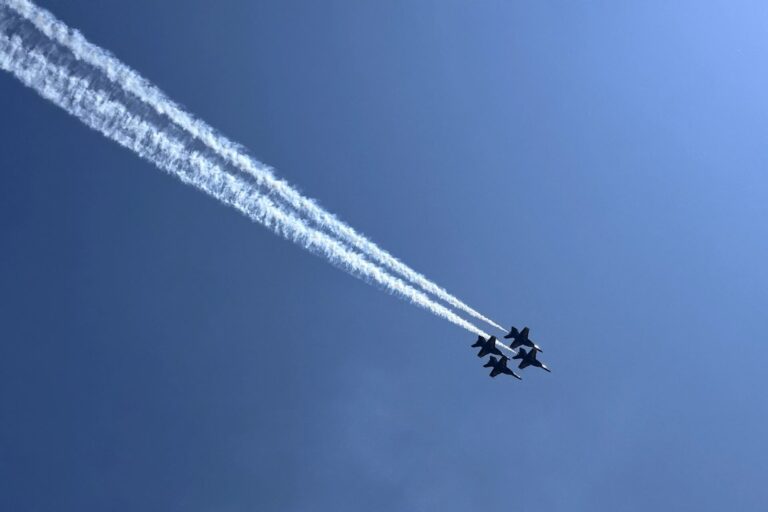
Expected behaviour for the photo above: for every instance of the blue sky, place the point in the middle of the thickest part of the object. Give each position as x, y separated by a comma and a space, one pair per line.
592, 170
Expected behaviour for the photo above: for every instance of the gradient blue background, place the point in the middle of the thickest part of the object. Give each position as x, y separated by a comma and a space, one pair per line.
596, 170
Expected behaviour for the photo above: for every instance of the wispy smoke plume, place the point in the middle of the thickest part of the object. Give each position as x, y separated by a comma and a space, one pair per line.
101, 110
131, 82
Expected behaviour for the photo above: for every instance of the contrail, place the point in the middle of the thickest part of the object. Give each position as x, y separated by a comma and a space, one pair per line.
132, 82
98, 110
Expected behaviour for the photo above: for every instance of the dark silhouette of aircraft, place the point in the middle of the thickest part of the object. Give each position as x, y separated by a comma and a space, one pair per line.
487, 346
520, 338
529, 359
500, 366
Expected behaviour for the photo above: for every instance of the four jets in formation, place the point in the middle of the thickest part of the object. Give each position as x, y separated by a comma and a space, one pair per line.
519, 340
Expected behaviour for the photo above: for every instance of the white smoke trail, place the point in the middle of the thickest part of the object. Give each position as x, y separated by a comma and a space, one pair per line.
111, 118
134, 83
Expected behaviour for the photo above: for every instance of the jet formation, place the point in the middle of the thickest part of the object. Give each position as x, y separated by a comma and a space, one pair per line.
494, 347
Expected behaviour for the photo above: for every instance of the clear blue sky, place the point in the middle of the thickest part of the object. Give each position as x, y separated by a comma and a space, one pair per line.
595, 170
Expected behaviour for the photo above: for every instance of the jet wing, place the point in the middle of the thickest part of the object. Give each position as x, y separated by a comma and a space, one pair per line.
533, 345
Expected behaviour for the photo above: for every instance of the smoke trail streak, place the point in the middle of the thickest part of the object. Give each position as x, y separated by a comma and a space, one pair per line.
111, 118
134, 83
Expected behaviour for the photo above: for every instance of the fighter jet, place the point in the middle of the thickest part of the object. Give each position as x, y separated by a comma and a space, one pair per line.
520, 338
487, 346
500, 366
529, 359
